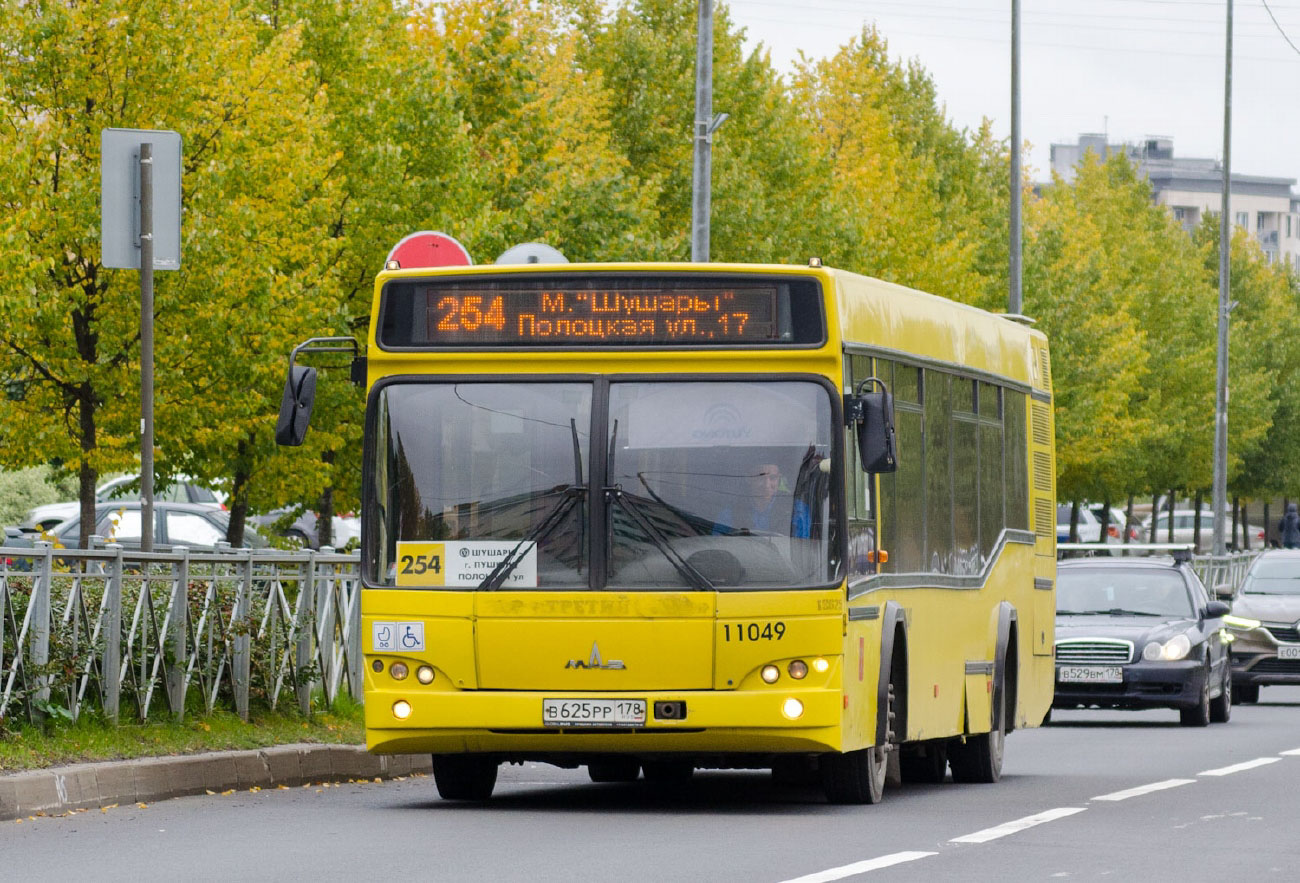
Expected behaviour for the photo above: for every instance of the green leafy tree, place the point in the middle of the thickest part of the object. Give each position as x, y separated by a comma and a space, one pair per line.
1263, 366
253, 203
1078, 284
540, 130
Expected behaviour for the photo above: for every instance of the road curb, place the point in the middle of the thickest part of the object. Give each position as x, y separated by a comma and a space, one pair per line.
142, 780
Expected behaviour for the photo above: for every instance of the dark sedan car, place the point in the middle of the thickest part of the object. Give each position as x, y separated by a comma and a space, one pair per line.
175, 524
1140, 633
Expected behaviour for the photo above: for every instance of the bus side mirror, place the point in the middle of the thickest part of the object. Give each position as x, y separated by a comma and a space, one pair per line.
873, 413
295, 405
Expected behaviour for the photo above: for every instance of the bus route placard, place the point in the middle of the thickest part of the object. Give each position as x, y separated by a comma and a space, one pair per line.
600, 316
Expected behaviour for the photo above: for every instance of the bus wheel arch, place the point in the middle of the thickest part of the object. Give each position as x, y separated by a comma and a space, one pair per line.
893, 677
978, 757
857, 777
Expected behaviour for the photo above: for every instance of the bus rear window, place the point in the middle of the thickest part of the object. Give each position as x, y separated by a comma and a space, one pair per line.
602, 311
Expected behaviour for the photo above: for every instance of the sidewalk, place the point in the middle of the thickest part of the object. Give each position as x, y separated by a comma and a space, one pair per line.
143, 780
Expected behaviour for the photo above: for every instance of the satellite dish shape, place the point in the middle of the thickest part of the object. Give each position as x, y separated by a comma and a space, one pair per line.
531, 253
429, 249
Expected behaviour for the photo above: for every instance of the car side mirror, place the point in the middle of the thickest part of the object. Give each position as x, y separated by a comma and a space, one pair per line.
1224, 591
1216, 609
873, 415
295, 405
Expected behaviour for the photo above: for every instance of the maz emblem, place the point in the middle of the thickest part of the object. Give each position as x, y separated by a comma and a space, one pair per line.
594, 661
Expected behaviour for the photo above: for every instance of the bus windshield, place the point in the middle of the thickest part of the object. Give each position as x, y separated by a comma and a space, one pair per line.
706, 485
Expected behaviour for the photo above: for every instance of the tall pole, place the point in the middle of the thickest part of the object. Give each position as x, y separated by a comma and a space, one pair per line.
703, 134
1225, 308
1015, 304
146, 347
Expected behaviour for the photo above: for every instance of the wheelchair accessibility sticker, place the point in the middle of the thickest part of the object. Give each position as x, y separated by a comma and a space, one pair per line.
396, 637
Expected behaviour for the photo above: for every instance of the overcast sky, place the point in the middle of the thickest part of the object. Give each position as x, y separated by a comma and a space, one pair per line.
1130, 68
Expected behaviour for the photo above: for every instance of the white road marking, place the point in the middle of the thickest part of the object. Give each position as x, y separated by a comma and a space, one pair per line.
871, 864
1145, 789
1294, 752
1018, 825
1238, 767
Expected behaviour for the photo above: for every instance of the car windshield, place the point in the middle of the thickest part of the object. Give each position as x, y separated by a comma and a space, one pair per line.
1273, 576
708, 485
1143, 592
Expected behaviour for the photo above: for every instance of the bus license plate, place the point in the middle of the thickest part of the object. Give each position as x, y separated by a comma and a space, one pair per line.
593, 712
1090, 674
1291, 651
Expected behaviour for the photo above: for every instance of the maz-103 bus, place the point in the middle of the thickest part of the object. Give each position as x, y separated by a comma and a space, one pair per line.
652, 518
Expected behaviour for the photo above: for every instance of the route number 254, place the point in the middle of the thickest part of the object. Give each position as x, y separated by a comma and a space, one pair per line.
418, 565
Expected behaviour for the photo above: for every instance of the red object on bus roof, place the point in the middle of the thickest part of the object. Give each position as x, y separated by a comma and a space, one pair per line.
429, 249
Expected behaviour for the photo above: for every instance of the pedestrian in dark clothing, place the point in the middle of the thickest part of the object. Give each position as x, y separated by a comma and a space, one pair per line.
1288, 528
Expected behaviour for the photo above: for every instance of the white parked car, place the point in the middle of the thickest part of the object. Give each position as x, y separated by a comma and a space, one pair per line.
124, 488
1184, 528
1090, 525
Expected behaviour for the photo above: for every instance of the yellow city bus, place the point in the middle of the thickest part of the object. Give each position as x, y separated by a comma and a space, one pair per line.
652, 518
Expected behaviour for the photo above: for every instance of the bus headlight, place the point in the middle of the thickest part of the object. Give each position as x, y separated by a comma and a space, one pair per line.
798, 669
399, 671
1174, 649
820, 665
424, 674
770, 673
401, 709
792, 708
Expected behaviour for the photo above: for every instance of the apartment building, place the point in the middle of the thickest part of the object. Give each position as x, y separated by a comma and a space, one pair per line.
1266, 207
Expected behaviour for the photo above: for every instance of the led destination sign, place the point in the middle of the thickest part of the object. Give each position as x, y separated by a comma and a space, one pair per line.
690, 312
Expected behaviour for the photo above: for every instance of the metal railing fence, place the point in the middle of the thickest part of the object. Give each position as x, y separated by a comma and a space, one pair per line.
134, 633
1230, 569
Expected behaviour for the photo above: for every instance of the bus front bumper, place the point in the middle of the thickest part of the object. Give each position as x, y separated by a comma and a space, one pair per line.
510, 724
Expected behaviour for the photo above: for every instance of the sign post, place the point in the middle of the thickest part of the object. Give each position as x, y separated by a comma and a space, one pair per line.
140, 226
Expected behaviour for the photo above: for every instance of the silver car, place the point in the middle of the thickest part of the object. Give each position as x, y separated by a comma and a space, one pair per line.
1265, 623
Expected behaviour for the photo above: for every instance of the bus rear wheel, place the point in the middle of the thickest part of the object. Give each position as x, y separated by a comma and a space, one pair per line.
614, 769
464, 777
925, 764
979, 758
668, 772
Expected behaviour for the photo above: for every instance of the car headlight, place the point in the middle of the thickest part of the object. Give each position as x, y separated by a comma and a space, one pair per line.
1172, 650
1240, 622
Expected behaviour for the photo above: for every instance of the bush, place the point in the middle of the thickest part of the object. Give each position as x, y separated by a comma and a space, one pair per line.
26, 488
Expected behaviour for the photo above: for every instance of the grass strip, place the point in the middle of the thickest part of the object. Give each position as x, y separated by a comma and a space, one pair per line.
27, 747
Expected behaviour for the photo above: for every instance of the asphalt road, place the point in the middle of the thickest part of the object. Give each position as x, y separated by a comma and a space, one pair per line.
1096, 795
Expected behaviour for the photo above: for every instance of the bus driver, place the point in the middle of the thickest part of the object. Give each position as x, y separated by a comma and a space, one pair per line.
761, 511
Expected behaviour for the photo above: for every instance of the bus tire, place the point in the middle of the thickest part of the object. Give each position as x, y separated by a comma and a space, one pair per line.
924, 764
979, 758
858, 777
855, 776
464, 776
614, 769
668, 772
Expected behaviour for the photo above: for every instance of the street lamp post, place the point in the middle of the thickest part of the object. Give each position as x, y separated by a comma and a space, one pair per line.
1225, 309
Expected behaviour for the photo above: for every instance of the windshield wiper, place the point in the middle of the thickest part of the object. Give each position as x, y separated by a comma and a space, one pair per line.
1120, 611
554, 518
683, 567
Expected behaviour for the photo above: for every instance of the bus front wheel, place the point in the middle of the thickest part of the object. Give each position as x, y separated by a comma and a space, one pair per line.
464, 776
